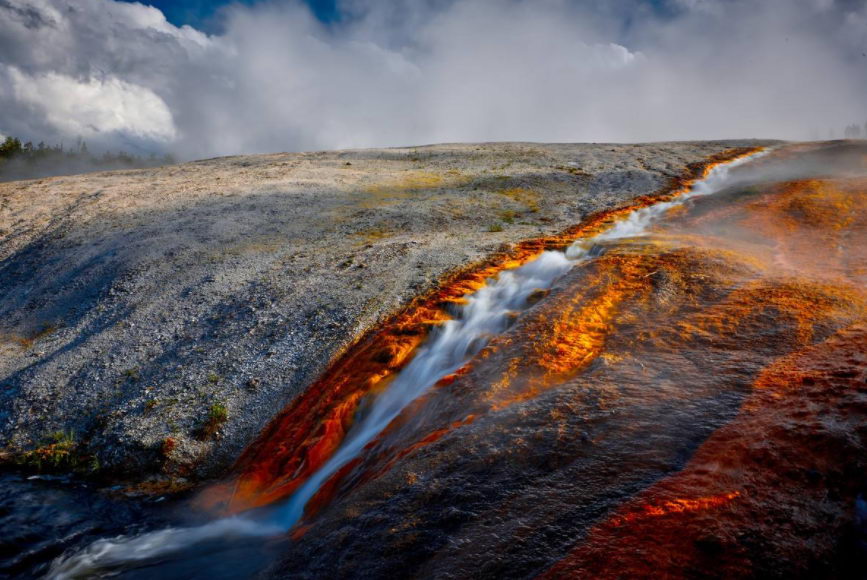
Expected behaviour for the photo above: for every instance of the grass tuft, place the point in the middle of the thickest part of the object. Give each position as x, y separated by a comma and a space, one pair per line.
218, 415
58, 452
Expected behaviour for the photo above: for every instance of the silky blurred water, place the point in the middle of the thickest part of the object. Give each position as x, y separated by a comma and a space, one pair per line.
486, 313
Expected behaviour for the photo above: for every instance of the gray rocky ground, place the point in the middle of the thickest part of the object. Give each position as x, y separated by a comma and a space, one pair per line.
136, 304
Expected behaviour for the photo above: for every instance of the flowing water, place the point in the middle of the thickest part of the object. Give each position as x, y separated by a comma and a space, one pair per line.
680, 397
486, 313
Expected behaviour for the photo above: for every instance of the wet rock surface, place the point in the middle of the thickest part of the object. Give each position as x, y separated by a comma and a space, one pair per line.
160, 318
42, 515
686, 404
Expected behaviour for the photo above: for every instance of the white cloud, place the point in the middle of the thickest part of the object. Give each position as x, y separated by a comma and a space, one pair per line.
426, 71
92, 107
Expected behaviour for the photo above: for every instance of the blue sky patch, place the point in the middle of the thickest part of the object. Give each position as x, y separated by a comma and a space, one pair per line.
199, 13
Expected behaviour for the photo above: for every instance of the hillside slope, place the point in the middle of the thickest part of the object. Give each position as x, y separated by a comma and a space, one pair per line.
161, 317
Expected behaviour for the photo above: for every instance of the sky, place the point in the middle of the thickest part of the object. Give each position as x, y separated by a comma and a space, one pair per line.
205, 78
201, 13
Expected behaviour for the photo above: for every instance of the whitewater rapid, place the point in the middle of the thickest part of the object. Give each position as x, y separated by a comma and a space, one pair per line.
486, 313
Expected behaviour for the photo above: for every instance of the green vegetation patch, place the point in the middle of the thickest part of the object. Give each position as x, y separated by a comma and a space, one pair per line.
58, 452
218, 415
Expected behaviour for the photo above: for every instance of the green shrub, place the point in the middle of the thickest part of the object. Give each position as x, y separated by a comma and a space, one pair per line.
218, 414
58, 451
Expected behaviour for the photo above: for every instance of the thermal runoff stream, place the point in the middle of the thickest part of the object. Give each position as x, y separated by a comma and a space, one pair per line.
573, 388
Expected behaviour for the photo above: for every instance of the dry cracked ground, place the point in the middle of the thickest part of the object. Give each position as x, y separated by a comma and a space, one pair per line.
153, 321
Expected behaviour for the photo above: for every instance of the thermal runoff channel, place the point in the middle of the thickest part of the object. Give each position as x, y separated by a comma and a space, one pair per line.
290, 470
674, 401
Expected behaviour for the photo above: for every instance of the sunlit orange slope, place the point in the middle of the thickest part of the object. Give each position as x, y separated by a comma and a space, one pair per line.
301, 438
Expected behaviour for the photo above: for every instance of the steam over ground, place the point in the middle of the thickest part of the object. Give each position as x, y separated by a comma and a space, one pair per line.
273, 77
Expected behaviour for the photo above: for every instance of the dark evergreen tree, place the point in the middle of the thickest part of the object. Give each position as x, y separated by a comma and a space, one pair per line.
10, 147
25, 161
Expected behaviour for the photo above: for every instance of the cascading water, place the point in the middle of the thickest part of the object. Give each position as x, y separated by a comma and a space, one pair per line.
486, 312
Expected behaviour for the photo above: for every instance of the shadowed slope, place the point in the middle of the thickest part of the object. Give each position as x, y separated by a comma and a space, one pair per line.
133, 302
597, 425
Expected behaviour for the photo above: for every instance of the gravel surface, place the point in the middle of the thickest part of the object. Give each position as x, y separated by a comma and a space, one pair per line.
136, 305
